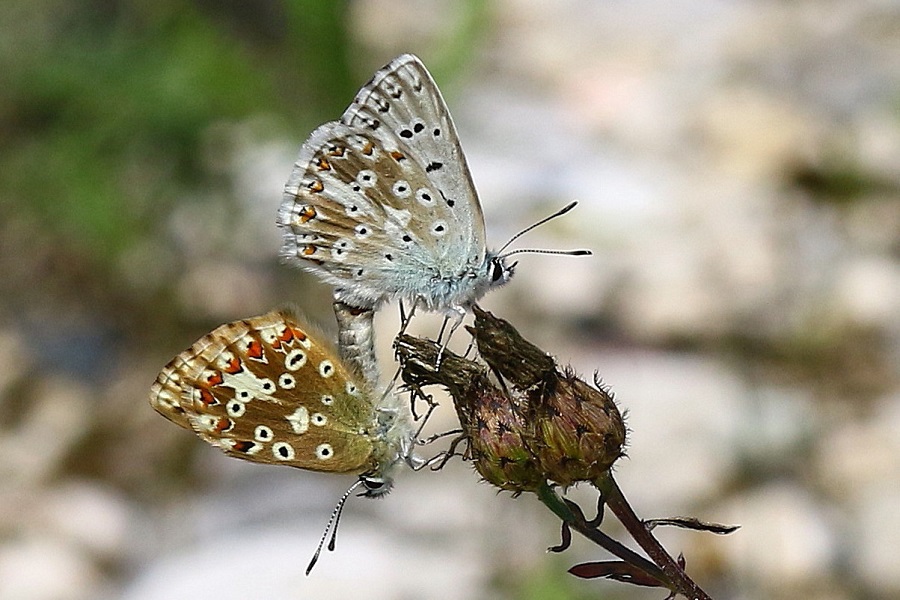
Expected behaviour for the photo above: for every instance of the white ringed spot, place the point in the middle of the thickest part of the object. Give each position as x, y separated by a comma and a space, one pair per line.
236, 409
367, 178
286, 381
439, 228
401, 189
267, 385
263, 433
283, 451
326, 369
424, 196
324, 451
318, 419
294, 360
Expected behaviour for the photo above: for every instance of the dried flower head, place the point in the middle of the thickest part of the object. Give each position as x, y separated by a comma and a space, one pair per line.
576, 431
540, 423
492, 423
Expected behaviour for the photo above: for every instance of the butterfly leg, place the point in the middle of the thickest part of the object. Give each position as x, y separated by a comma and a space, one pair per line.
456, 314
404, 318
438, 436
415, 395
469, 348
440, 460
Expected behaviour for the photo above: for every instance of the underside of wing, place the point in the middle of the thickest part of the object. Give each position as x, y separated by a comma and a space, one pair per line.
263, 390
383, 200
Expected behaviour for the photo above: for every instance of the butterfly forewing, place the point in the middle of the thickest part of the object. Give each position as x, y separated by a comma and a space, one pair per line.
382, 202
408, 106
264, 390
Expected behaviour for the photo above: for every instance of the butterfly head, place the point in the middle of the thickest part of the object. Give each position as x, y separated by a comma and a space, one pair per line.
499, 273
376, 485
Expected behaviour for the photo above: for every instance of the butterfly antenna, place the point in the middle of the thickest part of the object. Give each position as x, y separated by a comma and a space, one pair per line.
331, 527
558, 213
541, 251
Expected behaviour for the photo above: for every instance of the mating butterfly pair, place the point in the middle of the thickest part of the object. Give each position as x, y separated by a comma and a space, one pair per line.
381, 205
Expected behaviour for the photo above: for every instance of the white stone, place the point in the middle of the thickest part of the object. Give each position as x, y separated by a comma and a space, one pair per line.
40, 568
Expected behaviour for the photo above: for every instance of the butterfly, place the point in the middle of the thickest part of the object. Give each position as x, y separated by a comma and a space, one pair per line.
267, 390
381, 203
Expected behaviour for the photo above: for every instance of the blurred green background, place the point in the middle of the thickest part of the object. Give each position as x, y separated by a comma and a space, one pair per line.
738, 170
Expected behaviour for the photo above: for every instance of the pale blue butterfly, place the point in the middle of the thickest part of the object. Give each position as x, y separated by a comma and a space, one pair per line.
381, 205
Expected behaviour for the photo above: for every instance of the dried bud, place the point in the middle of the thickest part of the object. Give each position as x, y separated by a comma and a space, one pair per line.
541, 424
498, 441
511, 356
577, 431
491, 420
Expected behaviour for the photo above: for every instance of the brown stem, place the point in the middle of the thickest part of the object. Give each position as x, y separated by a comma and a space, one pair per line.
577, 522
617, 503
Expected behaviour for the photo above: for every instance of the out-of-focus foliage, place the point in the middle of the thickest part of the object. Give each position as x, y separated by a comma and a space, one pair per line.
105, 104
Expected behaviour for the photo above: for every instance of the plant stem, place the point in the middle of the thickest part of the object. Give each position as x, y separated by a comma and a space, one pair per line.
674, 573
577, 522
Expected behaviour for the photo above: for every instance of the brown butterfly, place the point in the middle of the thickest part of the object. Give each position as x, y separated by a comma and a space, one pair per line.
266, 390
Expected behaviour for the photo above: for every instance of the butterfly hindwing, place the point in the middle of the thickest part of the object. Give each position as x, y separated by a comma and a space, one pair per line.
263, 390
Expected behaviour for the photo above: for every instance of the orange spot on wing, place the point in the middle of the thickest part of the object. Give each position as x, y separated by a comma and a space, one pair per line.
254, 349
337, 151
234, 366
308, 250
315, 186
398, 156
368, 148
243, 446
223, 424
307, 214
299, 335
207, 397
323, 165
215, 379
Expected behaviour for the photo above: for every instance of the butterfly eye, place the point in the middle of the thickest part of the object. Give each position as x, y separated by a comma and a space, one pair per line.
497, 271
375, 486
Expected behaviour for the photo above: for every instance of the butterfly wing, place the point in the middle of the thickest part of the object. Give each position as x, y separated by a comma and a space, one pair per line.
263, 390
381, 203
406, 101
